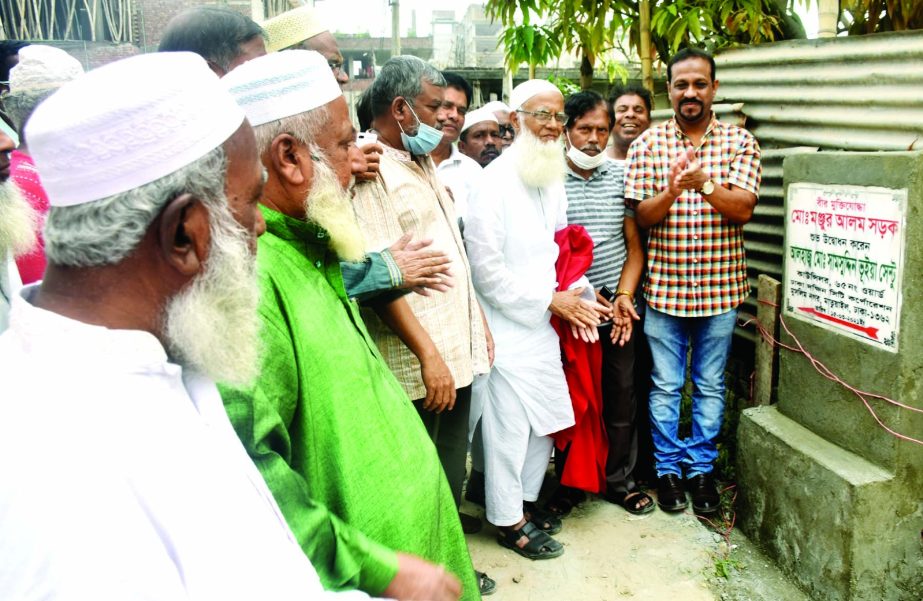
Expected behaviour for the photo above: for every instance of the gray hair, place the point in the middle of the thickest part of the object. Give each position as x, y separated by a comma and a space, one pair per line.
402, 76
20, 104
213, 32
105, 231
303, 126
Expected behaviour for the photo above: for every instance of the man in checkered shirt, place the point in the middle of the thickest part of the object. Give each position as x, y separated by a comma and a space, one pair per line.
693, 181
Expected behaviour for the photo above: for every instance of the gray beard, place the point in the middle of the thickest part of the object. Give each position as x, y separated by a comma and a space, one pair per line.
18, 221
538, 164
213, 325
329, 206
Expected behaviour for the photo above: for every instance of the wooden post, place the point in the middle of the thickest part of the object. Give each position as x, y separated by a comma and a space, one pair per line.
769, 293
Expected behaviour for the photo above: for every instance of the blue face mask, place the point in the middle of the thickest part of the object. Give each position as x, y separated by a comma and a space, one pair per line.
426, 139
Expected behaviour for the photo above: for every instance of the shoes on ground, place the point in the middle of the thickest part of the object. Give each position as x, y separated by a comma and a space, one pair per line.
704, 493
670, 493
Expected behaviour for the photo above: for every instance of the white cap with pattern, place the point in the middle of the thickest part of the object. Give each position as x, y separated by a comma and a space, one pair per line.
43, 67
127, 124
282, 84
291, 27
479, 116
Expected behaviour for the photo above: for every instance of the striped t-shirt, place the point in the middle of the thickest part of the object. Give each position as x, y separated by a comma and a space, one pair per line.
598, 205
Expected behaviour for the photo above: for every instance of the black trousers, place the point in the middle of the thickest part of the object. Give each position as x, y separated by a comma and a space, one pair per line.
619, 408
449, 432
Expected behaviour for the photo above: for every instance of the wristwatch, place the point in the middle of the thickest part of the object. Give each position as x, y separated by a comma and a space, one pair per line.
708, 187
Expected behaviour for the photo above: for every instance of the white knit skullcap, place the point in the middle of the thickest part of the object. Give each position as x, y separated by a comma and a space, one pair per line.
292, 27
479, 116
42, 68
495, 106
527, 89
127, 124
282, 84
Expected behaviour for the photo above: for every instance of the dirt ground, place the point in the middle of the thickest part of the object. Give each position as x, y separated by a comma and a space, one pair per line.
611, 555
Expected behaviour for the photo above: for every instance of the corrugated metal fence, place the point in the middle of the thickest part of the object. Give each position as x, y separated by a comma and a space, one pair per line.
853, 93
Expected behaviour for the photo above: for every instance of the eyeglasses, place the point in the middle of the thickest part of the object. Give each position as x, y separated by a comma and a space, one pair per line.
335, 66
506, 130
545, 116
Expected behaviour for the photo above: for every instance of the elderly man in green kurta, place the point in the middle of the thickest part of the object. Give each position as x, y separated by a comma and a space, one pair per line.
331, 430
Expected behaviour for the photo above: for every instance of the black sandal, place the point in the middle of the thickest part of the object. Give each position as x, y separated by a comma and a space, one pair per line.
540, 545
631, 501
563, 500
543, 520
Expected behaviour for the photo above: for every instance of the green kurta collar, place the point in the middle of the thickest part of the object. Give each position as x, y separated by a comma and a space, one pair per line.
289, 228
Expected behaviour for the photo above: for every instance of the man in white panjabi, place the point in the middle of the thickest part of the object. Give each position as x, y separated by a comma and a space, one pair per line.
123, 478
513, 215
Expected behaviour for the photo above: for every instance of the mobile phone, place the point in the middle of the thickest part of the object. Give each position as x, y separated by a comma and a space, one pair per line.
364, 138
607, 293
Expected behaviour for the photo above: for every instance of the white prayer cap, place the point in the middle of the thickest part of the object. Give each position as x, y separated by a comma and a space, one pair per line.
527, 89
292, 27
479, 116
495, 106
127, 124
43, 67
282, 84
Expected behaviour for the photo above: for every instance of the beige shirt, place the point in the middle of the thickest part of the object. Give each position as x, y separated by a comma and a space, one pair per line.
407, 197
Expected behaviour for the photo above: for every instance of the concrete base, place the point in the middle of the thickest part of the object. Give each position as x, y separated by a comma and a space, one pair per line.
832, 520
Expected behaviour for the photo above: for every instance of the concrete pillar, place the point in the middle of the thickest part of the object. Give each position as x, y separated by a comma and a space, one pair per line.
824, 487
828, 13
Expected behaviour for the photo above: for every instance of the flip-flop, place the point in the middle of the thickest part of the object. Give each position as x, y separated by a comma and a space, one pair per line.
540, 545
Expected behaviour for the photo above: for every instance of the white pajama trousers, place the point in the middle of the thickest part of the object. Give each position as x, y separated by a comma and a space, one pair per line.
515, 457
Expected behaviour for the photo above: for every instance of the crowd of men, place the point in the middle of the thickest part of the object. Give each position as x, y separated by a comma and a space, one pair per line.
247, 350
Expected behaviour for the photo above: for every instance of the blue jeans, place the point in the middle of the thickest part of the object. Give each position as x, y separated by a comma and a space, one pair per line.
669, 337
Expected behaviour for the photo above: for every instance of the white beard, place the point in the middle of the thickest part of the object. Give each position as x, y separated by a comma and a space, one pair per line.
538, 164
18, 221
329, 206
213, 325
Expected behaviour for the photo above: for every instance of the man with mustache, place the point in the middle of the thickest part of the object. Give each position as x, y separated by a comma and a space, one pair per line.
515, 211
134, 484
480, 137
326, 422
694, 181
435, 344
594, 187
227, 39
631, 116
456, 171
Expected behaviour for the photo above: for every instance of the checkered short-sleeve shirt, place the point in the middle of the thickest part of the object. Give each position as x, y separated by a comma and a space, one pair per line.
696, 261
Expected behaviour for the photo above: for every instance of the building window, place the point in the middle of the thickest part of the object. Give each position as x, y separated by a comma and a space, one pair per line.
89, 20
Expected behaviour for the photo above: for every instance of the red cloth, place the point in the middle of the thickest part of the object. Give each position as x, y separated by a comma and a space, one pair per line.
589, 446
24, 174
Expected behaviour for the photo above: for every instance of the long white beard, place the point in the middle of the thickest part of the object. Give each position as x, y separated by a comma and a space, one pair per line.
213, 326
18, 221
329, 206
538, 163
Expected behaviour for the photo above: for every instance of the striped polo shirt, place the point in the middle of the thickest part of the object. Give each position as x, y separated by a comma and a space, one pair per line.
598, 205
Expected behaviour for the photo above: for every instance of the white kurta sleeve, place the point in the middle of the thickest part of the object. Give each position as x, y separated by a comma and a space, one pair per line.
518, 298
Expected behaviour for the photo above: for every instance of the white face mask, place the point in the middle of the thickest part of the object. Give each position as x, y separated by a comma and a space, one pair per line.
582, 159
